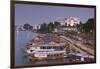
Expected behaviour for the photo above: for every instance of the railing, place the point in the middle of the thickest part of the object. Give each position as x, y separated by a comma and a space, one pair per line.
47, 52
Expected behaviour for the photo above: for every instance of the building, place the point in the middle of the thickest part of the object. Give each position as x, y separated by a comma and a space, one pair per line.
36, 27
65, 24
19, 28
72, 21
68, 24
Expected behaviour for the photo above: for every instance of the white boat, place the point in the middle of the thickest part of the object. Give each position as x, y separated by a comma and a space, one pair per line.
48, 50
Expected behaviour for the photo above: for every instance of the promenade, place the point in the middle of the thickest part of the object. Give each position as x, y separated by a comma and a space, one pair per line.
79, 46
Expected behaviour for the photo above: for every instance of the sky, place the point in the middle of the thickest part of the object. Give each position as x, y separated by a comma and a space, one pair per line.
37, 14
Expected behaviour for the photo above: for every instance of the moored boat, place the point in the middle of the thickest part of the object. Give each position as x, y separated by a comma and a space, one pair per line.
46, 47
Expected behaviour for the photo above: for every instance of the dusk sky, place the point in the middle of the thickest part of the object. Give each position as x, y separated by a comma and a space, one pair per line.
37, 14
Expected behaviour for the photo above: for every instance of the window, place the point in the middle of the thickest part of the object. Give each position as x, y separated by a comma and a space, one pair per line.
43, 48
31, 50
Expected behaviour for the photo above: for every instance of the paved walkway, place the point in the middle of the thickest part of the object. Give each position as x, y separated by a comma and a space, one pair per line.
80, 45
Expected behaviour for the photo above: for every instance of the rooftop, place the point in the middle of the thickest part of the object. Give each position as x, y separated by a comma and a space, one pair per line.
48, 40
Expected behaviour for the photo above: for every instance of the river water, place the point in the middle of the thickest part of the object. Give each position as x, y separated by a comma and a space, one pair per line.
21, 39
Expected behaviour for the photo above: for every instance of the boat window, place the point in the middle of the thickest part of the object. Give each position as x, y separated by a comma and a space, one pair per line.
49, 47
54, 47
31, 50
43, 48
61, 48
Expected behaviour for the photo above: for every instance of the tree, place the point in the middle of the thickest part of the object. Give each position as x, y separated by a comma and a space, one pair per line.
89, 25
46, 28
27, 27
56, 24
79, 26
43, 28
50, 27
31, 27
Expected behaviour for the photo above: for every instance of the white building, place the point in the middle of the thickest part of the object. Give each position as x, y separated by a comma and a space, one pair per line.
72, 21
36, 27
63, 22
68, 24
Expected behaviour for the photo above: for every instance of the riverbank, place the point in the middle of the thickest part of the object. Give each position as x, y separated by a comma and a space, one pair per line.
44, 42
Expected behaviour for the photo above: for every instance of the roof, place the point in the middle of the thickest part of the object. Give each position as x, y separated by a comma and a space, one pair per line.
49, 44
49, 40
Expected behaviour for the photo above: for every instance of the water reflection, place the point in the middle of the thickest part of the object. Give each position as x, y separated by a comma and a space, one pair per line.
43, 62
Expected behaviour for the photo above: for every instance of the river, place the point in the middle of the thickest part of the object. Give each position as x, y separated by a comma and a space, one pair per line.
21, 39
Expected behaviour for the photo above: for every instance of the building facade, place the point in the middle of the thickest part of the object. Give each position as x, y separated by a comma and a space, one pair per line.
69, 24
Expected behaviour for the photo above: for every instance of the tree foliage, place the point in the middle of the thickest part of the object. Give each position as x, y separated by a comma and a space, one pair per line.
27, 27
46, 28
56, 24
89, 25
